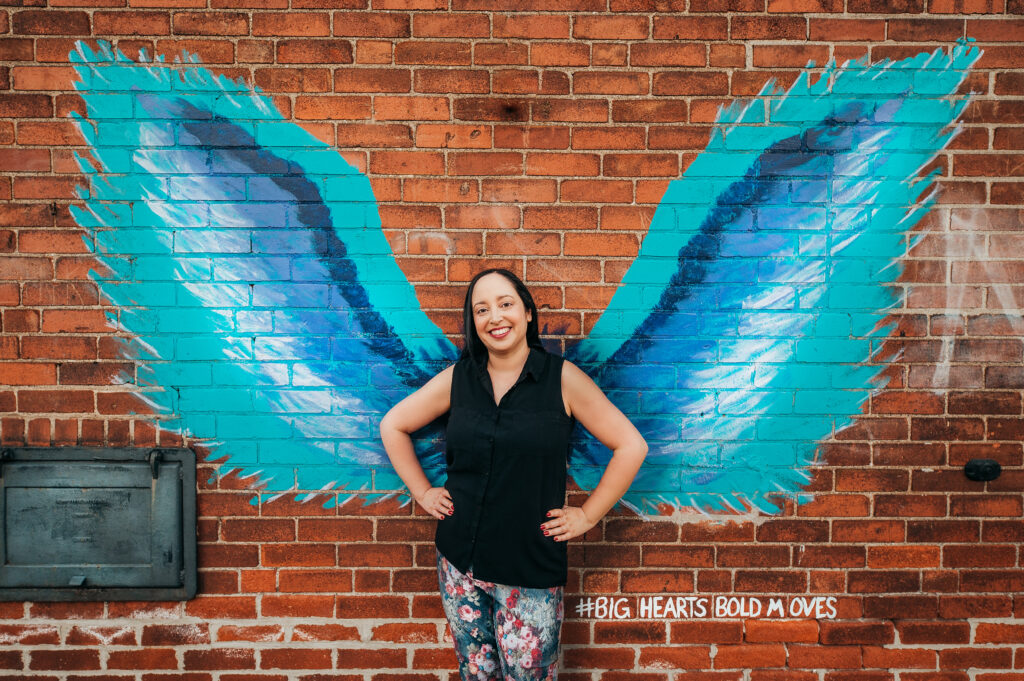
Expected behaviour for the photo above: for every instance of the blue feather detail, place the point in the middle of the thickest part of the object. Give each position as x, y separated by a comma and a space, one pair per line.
743, 333
247, 261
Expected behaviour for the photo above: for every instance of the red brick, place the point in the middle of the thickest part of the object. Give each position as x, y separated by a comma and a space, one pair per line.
780, 632
258, 633
531, 137
371, 24
596, 191
532, 26
319, 580
789, 55
326, 51
925, 29
324, 632
491, 109
768, 28
332, 108
64, 660
411, 108
219, 658
485, 163
592, 27
433, 52
452, 81
372, 607
453, 136
519, 191
481, 217
99, 635
577, 110
28, 373
294, 24
440, 190
609, 82
371, 658
660, 54
971, 658
27, 635
562, 164
641, 165
50, 22
733, 656
690, 28
335, 529
451, 25
373, 135
603, 657
123, 22
559, 54
644, 111
16, 49
559, 218
518, 243
146, 658
407, 163
816, 656
299, 80
211, 23
517, 81
491, 54
998, 633
281, 605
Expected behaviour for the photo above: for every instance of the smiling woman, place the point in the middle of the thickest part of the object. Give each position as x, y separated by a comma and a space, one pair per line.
502, 561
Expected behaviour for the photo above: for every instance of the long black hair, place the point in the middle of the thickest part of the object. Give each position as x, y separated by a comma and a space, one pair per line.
473, 347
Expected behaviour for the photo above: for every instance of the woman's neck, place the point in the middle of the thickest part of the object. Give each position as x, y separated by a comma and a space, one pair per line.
511, 361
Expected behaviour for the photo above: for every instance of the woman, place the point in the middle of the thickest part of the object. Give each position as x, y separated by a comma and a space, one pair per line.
504, 523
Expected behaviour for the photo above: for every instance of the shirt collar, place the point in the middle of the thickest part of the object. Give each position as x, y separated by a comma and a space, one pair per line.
534, 364
533, 369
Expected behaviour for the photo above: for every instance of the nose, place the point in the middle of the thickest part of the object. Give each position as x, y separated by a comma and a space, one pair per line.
495, 314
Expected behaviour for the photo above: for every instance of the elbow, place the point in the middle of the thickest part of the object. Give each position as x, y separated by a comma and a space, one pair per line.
642, 449
386, 425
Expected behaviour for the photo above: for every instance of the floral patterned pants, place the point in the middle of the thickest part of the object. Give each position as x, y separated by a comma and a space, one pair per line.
501, 632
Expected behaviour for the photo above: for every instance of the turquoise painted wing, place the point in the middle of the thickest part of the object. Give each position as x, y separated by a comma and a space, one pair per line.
246, 260
743, 334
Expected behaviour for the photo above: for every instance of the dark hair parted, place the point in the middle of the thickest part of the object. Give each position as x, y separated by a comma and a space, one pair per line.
473, 347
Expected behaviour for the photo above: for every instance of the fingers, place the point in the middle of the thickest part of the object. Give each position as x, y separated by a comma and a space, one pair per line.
438, 502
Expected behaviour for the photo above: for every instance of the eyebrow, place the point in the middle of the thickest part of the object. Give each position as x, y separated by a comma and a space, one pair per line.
481, 302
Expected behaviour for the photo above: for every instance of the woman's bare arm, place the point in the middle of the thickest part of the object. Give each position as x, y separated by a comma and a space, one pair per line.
610, 426
406, 417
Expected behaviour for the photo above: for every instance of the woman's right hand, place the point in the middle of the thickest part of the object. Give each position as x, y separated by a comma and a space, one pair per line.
437, 502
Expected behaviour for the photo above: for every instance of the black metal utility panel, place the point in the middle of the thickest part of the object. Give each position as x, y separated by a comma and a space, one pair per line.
89, 524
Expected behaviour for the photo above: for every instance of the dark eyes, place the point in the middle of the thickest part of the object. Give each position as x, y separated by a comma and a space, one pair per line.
506, 304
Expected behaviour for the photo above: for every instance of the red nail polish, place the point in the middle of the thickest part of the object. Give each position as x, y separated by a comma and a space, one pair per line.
545, 533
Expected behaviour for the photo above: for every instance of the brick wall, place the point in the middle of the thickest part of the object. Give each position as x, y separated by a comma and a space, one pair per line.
541, 137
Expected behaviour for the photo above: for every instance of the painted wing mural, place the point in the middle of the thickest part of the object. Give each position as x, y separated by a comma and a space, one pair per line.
248, 270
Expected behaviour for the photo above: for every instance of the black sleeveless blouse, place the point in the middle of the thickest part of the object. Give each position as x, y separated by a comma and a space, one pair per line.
506, 470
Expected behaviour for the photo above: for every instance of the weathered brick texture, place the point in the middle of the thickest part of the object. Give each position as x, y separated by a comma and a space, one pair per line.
540, 136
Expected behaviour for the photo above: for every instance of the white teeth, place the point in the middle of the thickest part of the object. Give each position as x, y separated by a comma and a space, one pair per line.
499, 333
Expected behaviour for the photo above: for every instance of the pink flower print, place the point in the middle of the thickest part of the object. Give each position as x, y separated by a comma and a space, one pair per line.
512, 599
468, 614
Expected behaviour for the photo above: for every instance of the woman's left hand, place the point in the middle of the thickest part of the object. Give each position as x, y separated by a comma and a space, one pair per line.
569, 522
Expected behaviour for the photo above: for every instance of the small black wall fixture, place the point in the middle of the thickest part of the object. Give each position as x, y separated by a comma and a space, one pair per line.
982, 470
97, 524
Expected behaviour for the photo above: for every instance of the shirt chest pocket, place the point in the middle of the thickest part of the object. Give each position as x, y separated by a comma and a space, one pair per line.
468, 438
532, 434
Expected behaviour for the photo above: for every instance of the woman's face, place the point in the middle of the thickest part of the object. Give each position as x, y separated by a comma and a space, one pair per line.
499, 315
